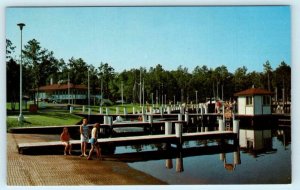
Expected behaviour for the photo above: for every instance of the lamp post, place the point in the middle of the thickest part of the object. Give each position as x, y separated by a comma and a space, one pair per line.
21, 118
88, 86
196, 97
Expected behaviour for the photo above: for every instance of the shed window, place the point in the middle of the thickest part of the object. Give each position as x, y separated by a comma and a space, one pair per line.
248, 100
266, 100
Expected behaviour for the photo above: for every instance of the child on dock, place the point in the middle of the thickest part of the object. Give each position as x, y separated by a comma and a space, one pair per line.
65, 139
84, 136
94, 142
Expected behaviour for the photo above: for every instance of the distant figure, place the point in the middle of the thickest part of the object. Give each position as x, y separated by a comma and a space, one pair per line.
218, 106
140, 118
65, 139
94, 142
84, 136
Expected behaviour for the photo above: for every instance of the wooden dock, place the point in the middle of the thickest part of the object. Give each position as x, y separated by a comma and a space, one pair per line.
146, 139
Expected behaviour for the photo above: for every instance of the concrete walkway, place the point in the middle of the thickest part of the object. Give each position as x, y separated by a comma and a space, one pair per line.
23, 170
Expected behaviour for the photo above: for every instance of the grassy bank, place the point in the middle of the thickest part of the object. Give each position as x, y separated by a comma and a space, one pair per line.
45, 118
58, 114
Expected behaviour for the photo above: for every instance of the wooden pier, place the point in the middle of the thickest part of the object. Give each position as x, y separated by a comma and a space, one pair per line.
145, 139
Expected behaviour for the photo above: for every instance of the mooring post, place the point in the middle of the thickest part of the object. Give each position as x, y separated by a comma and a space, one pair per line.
178, 132
105, 120
168, 128
83, 109
221, 125
125, 111
89, 111
181, 109
150, 119
117, 110
109, 118
144, 116
133, 110
205, 109
107, 111
151, 110
100, 110
186, 117
169, 110
236, 127
161, 110
71, 109
179, 117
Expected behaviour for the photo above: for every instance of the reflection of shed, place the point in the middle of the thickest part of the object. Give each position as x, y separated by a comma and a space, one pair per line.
255, 139
254, 101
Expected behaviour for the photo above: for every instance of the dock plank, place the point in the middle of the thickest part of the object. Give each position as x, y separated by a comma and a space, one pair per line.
144, 138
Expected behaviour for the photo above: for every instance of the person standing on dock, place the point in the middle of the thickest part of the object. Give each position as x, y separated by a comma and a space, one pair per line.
84, 137
94, 142
65, 139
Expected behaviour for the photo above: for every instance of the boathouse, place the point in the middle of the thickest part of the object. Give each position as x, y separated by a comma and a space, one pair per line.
254, 101
61, 93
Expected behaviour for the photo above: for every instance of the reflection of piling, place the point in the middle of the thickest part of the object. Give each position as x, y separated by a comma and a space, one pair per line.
71, 109
89, 111
179, 164
83, 109
222, 156
169, 163
125, 111
237, 157
100, 110
133, 110
107, 111
117, 110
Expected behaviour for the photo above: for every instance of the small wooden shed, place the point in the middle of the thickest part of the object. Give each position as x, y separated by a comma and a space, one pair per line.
254, 101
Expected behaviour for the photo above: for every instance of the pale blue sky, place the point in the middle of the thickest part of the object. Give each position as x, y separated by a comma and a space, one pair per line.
130, 37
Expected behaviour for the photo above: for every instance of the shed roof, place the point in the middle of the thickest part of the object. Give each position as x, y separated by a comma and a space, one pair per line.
253, 91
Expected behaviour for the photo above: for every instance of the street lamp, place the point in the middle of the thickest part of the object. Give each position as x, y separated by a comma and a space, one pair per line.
196, 97
21, 118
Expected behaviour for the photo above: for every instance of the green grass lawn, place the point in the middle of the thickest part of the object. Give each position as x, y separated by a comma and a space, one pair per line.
57, 114
50, 118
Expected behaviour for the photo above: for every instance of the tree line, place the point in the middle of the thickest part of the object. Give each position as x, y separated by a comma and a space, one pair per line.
40, 66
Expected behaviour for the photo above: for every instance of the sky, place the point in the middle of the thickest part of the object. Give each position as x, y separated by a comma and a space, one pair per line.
131, 37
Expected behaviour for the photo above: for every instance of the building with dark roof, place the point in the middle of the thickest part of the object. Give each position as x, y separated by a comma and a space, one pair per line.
254, 101
64, 93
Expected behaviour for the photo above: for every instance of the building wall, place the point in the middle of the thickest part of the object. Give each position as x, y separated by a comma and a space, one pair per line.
244, 109
258, 105
241, 105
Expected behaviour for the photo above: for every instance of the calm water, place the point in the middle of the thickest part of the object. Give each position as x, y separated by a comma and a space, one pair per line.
262, 157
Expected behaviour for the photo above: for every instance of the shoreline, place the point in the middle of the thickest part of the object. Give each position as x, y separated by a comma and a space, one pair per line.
39, 170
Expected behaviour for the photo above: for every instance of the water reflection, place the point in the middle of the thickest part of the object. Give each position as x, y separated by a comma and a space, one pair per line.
251, 141
256, 142
219, 161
